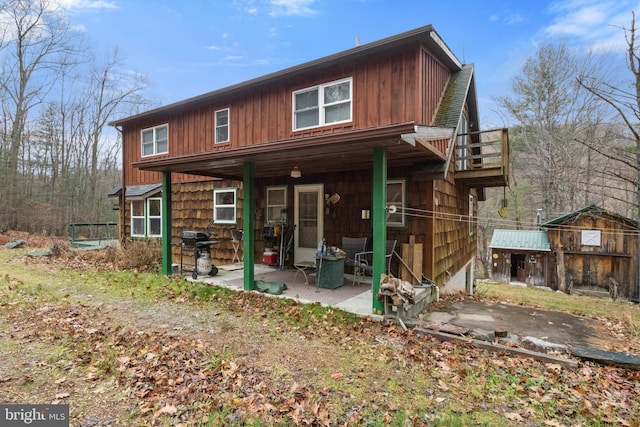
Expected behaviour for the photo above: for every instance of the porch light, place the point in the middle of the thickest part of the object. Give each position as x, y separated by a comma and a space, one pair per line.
295, 172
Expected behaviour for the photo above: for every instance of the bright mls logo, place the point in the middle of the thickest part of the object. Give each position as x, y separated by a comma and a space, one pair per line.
34, 415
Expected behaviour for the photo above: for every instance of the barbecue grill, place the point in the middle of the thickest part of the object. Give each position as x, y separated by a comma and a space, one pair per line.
199, 243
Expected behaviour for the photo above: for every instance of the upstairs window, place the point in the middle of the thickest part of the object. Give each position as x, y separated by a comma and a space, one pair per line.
155, 140
224, 206
222, 126
322, 105
463, 150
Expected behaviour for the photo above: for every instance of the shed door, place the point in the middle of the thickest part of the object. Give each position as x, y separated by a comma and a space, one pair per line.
308, 220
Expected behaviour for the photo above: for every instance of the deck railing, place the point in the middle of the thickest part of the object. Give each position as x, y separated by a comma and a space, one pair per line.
483, 157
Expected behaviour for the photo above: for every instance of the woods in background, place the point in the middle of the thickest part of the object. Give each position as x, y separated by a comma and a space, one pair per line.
58, 158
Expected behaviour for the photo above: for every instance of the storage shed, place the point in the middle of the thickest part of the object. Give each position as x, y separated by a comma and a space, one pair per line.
520, 255
596, 251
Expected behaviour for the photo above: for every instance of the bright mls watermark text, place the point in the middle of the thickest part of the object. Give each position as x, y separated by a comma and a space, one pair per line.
34, 415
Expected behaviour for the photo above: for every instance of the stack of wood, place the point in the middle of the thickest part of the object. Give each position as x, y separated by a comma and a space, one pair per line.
397, 290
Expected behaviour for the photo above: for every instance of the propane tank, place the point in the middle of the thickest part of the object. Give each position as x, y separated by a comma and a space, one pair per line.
204, 263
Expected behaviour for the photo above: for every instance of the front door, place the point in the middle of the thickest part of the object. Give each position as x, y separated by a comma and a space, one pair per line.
308, 221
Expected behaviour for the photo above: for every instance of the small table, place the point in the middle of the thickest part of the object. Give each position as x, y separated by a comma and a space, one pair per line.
330, 273
302, 267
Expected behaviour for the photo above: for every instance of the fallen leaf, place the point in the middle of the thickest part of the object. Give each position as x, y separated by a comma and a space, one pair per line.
168, 409
513, 416
337, 375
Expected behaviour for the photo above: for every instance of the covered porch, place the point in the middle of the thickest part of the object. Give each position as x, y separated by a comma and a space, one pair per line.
348, 297
365, 155
352, 297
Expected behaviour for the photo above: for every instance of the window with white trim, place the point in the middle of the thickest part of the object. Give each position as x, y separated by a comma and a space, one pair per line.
154, 217
470, 214
222, 126
137, 218
463, 149
155, 140
146, 217
396, 196
224, 205
276, 201
322, 105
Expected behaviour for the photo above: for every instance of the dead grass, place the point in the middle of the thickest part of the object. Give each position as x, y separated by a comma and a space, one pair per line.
132, 348
622, 312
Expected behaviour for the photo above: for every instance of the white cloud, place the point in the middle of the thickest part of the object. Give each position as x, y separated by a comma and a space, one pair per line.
84, 4
595, 24
292, 7
514, 18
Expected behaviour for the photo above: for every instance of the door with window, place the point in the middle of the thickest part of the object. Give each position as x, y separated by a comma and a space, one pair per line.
308, 220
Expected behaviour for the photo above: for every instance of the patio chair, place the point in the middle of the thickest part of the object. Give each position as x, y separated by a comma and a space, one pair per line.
352, 246
362, 259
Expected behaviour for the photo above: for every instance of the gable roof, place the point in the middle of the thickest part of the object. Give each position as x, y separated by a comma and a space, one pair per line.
529, 240
426, 36
452, 105
592, 210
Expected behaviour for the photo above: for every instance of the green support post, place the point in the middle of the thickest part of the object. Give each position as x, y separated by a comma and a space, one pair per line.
379, 220
248, 219
167, 264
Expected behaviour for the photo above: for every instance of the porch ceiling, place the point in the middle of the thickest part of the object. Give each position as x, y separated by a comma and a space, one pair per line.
406, 145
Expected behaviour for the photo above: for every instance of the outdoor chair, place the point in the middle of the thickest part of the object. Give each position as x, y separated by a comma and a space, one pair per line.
362, 260
236, 240
352, 246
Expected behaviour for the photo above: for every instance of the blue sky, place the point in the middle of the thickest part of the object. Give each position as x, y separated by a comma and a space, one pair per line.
190, 47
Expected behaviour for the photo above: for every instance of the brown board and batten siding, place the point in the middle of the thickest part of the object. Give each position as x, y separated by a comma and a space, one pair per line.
387, 89
582, 265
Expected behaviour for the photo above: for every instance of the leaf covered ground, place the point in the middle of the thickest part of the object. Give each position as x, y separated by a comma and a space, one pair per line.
129, 348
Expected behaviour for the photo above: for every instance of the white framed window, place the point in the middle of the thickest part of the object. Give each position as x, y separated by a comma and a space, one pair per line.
396, 196
137, 218
463, 150
146, 217
323, 104
224, 205
155, 140
154, 217
276, 203
471, 214
222, 126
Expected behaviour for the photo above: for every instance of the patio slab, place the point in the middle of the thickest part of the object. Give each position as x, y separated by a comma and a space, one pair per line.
353, 299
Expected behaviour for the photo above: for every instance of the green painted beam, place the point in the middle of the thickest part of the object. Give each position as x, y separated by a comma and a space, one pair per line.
166, 224
248, 219
379, 220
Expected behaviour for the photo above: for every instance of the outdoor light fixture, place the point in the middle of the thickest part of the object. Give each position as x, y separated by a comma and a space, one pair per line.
295, 172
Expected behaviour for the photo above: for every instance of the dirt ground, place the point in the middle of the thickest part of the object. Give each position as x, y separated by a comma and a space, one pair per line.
174, 361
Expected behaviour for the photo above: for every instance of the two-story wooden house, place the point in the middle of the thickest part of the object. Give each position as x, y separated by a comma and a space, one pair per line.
381, 140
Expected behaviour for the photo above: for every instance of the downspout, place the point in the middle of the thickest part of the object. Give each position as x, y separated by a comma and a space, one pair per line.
124, 191
167, 262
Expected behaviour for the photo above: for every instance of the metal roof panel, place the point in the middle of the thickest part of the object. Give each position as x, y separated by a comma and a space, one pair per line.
529, 240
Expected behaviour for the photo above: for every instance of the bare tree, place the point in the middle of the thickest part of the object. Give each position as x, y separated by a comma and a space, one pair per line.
626, 103
36, 40
551, 110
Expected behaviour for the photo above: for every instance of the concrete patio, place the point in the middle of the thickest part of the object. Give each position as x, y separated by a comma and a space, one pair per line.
356, 299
